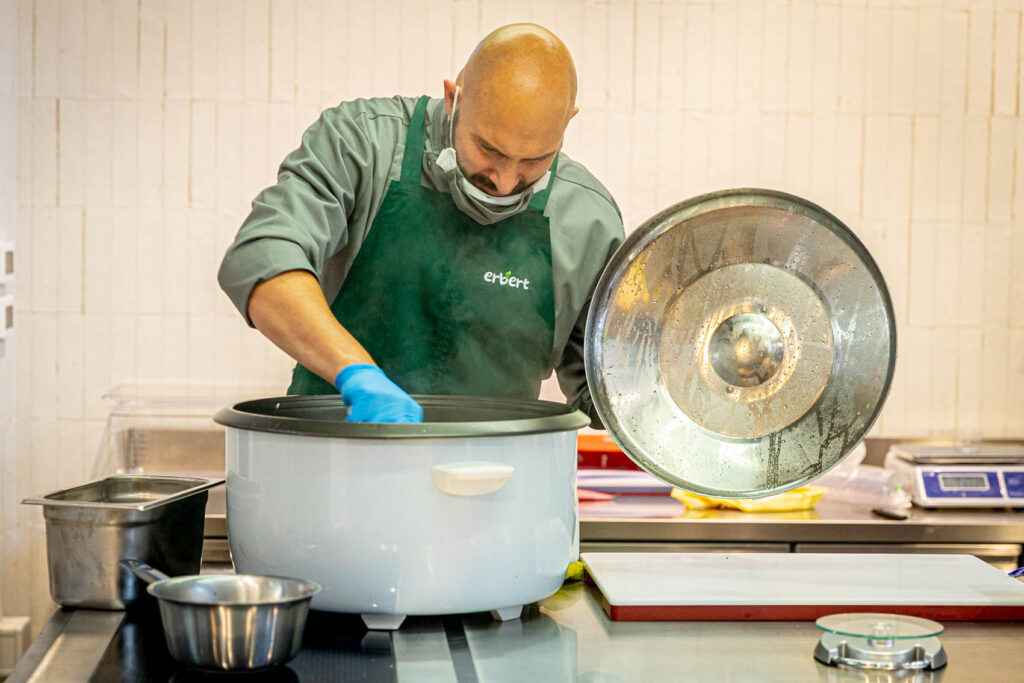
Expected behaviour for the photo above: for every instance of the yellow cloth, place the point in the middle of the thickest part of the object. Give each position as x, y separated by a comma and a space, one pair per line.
574, 572
803, 498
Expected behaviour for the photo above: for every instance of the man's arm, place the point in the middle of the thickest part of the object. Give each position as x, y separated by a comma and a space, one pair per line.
572, 373
320, 204
290, 310
586, 231
323, 202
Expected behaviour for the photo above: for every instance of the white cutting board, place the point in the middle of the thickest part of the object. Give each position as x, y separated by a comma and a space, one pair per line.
787, 586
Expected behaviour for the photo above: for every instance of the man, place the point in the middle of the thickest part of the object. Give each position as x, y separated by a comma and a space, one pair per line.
457, 246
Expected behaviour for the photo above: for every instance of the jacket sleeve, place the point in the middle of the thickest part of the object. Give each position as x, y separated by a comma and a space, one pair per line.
303, 220
572, 373
594, 227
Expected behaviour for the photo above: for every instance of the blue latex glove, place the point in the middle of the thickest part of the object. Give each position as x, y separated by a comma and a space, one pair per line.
372, 397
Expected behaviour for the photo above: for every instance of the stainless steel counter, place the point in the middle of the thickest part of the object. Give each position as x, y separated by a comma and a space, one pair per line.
564, 638
829, 522
996, 536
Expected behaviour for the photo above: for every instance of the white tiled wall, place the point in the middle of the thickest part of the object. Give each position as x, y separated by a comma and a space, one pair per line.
8, 228
146, 126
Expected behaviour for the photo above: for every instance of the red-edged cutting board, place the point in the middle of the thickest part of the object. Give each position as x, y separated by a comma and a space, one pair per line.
800, 586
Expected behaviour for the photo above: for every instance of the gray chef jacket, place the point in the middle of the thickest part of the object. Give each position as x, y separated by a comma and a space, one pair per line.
358, 146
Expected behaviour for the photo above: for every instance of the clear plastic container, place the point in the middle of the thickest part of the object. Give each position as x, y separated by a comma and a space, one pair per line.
169, 429
853, 482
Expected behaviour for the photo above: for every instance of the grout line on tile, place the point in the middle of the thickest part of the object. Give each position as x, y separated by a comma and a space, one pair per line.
913, 164
1014, 171
786, 84
138, 58
163, 152
270, 52
636, 17
863, 163
57, 153
967, 65
1020, 55
81, 303
191, 143
165, 60
988, 167
322, 87
35, 19
995, 61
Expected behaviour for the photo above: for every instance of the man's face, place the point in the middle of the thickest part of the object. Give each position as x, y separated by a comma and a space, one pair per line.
503, 153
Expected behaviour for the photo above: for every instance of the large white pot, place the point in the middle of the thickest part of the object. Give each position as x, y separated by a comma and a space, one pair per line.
473, 510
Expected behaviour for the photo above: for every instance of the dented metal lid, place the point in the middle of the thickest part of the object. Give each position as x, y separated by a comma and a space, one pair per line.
740, 343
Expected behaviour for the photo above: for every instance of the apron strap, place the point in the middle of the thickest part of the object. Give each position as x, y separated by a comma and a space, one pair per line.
540, 199
412, 158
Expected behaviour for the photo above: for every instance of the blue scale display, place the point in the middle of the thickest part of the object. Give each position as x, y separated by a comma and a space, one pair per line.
981, 475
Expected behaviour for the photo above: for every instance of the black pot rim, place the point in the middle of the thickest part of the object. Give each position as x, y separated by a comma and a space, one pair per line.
528, 417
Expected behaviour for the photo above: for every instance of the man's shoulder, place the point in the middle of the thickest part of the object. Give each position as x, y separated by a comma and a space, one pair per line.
374, 111
577, 192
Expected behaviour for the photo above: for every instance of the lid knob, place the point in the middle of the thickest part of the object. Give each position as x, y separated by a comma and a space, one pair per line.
746, 350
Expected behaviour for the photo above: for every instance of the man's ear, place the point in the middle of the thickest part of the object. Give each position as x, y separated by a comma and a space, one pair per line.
449, 96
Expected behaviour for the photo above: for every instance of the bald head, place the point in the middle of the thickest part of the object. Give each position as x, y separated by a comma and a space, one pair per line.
523, 66
517, 95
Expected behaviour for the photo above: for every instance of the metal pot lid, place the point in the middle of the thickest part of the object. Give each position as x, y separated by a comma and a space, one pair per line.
740, 343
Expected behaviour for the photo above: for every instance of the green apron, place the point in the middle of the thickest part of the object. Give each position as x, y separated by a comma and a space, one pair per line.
443, 304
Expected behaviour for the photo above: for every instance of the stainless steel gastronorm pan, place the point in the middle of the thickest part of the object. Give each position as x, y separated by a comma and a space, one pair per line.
90, 528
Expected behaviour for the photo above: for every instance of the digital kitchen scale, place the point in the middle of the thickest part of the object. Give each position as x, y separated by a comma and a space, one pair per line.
984, 475
880, 641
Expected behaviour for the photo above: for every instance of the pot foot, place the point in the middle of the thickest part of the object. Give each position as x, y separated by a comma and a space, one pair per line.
383, 622
376, 642
507, 613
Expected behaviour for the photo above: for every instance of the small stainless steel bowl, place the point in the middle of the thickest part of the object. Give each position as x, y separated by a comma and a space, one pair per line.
230, 622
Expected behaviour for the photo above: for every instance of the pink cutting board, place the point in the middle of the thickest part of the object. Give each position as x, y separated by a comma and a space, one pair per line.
800, 586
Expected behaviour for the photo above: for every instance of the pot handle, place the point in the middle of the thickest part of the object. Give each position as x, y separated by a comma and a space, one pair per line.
471, 478
143, 571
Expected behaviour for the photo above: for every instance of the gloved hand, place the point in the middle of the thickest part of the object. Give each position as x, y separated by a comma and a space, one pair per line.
372, 397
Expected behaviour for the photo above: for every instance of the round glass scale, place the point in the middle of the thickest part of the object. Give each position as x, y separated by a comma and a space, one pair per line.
880, 641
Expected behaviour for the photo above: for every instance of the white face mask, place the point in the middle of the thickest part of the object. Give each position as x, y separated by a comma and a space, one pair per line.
477, 204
